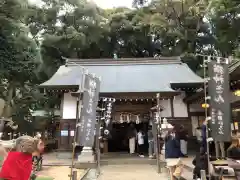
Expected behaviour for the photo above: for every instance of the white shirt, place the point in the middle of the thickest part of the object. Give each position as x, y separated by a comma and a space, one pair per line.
199, 135
140, 138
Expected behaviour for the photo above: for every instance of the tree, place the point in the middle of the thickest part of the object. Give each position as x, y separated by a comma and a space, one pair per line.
224, 20
157, 27
20, 57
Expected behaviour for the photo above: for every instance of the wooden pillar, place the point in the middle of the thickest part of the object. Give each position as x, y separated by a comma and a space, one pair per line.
105, 146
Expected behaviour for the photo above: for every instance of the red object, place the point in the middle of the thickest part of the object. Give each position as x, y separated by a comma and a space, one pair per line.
17, 166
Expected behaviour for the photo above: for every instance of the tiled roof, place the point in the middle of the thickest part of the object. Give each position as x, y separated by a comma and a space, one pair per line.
119, 76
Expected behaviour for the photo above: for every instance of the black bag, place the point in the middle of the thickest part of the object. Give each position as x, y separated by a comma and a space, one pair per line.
33, 177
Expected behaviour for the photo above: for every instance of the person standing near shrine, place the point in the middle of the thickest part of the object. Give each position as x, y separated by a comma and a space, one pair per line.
140, 139
199, 136
183, 136
37, 155
172, 145
204, 136
172, 152
132, 133
200, 162
220, 150
150, 143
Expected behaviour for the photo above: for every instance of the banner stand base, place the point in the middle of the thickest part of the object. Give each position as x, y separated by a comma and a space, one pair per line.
86, 155
86, 159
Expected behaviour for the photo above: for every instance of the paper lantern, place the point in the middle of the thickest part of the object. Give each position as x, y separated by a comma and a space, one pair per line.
205, 106
237, 93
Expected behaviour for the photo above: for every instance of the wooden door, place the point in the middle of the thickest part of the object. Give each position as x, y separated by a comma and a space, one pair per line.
66, 134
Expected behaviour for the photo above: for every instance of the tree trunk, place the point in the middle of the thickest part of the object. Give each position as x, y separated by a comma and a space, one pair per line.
7, 110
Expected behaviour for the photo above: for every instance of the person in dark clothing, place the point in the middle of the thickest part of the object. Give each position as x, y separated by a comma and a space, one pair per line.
172, 146
204, 137
200, 162
233, 152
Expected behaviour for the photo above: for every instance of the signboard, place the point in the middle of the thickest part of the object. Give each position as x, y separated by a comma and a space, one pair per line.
220, 110
85, 132
72, 133
64, 132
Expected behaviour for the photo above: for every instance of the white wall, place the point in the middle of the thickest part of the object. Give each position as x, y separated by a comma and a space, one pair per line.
69, 106
179, 107
166, 104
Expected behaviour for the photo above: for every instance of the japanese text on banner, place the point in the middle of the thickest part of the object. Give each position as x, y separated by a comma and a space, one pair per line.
218, 71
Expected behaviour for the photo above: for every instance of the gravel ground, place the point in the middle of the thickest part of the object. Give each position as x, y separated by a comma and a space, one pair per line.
131, 172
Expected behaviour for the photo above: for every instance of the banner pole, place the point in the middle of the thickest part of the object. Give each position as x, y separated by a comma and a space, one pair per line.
205, 61
159, 164
78, 115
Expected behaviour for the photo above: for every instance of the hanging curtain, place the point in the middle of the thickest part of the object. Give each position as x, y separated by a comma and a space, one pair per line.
121, 118
128, 118
137, 120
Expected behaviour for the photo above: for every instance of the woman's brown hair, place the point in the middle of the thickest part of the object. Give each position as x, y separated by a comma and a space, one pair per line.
235, 143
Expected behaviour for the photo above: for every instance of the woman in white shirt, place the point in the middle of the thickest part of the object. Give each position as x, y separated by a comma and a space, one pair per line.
140, 138
198, 134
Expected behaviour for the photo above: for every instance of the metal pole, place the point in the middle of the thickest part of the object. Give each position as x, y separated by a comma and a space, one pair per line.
78, 114
97, 148
158, 132
74, 175
206, 109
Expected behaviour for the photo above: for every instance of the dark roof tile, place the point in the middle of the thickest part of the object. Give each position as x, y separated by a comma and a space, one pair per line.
130, 77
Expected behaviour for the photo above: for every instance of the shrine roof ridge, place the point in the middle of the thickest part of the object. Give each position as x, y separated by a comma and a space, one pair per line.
124, 61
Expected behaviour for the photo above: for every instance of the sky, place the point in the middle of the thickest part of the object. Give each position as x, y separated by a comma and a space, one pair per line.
113, 3
104, 3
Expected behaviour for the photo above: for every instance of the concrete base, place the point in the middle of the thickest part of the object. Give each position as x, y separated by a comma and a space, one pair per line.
86, 159
86, 155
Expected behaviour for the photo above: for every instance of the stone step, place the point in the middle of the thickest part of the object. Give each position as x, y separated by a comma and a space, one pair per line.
128, 161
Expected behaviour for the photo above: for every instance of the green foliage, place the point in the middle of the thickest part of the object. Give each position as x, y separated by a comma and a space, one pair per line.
19, 56
225, 20
165, 28
20, 60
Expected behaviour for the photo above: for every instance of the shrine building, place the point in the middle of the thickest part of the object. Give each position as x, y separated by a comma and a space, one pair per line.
134, 83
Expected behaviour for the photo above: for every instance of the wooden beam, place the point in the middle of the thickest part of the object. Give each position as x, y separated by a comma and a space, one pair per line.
172, 108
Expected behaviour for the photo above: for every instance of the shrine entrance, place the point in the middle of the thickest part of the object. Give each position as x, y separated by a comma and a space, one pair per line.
119, 141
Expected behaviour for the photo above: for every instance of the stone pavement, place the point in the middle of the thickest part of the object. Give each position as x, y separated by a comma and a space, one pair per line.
57, 159
58, 173
57, 165
131, 172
